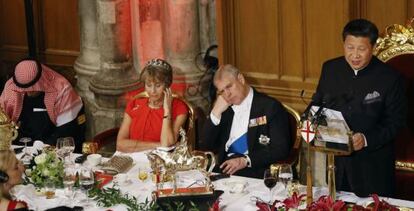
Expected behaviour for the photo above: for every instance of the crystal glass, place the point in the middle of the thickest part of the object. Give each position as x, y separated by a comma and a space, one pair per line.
70, 147
285, 174
142, 174
50, 189
25, 140
86, 181
26, 156
60, 148
270, 180
69, 179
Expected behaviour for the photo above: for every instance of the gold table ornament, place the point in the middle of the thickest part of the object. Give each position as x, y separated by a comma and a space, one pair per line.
165, 164
89, 147
8, 131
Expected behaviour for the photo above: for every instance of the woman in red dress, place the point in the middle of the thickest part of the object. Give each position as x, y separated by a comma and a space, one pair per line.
154, 121
11, 171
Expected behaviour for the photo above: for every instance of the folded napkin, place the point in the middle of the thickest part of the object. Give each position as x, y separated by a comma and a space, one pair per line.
36, 201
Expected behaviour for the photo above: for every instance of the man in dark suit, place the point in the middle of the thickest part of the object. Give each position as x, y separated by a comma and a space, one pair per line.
371, 97
249, 130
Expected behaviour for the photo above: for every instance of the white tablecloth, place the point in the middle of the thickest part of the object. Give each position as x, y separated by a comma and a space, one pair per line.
142, 190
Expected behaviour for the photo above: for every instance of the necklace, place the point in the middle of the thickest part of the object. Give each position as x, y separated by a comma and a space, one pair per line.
155, 104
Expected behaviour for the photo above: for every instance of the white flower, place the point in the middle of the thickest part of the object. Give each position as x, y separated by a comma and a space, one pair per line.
40, 158
45, 172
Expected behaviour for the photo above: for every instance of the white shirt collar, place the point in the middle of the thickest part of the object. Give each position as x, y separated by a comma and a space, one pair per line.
245, 104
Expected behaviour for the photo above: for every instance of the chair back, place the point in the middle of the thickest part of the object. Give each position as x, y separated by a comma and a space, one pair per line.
396, 48
294, 127
190, 122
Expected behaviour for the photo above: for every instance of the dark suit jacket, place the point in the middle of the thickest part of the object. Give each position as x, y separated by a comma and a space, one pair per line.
277, 129
373, 103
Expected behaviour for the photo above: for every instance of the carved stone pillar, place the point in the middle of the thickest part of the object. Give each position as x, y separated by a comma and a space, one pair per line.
87, 63
116, 74
182, 44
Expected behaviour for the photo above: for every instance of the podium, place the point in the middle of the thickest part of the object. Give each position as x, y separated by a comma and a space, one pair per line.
333, 137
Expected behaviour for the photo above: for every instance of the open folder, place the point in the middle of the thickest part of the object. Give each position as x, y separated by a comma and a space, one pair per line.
335, 130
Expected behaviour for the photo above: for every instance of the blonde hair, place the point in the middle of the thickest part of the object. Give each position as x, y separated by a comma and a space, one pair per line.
7, 159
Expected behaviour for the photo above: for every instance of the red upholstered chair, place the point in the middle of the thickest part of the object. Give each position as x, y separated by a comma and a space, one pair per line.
294, 122
106, 140
396, 48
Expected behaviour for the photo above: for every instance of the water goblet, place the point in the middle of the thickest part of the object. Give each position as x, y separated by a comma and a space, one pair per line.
69, 144
270, 180
25, 140
60, 147
86, 181
69, 179
285, 174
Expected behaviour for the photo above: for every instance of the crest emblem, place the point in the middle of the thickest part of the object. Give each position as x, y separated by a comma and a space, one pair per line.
307, 132
264, 140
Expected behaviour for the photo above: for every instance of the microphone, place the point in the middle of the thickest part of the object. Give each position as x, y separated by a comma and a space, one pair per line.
326, 102
316, 100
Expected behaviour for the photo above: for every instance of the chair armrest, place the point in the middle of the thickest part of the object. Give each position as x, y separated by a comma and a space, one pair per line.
106, 137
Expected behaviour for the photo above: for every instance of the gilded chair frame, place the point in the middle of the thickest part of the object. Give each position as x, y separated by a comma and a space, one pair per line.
397, 40
396, 48
294, 152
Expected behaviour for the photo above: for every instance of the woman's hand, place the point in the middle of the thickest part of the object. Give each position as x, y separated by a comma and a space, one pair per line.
167, 101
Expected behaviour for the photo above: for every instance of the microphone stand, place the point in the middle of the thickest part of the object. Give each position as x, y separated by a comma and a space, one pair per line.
306, 116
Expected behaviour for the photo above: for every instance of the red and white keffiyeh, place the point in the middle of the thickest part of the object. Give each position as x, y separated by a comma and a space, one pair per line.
61, 100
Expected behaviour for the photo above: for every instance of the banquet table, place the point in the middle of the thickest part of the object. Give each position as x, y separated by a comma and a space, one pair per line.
242, 200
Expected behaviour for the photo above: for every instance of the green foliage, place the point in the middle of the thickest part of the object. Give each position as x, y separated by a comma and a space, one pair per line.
107, 197
47, 167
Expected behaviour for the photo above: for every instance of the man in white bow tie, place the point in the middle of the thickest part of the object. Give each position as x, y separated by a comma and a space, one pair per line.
249, 130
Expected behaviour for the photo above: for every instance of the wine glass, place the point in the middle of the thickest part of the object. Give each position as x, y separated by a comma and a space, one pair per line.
50, 189
285, 174
86, 181
270, 180
26, 156
69, 179
25, 140
70, 147
61, 150
142, 174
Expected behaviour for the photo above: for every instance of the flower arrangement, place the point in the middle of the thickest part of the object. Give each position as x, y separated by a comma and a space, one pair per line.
325, 203
46, 167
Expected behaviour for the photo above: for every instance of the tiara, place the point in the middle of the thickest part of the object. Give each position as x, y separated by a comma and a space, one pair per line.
159, 63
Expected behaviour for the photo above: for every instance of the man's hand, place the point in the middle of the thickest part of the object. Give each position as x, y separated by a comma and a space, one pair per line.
358, 141
233, 165
219, 106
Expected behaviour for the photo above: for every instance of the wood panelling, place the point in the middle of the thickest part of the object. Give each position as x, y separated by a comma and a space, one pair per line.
263, 38
386, 12
56, 31
60, 38
13, 29
280, 45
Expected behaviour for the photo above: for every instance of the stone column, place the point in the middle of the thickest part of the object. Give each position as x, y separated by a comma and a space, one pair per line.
207, 20
87, 63
182, 44
116, 74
